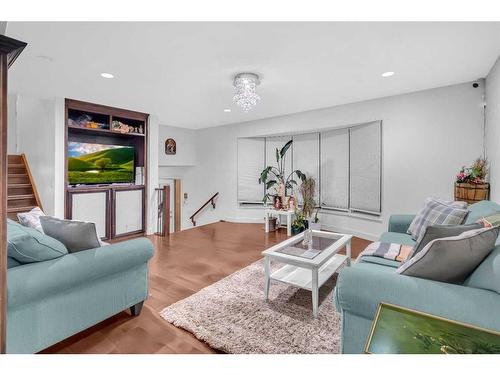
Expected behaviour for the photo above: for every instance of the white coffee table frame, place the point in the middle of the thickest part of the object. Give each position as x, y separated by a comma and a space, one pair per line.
279, 213
309, 274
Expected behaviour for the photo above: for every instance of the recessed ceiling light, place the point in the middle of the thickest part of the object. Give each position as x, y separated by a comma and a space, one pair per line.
107, 75
227, 110
387, 74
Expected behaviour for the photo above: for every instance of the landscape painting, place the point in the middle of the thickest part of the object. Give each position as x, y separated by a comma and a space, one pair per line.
397, 330
92, 163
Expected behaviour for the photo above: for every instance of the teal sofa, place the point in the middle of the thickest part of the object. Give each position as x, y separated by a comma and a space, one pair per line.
361, 287
52, 300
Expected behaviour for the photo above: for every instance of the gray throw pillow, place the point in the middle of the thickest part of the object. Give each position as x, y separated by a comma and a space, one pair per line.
75, 235
451, 259
437, 211
27, 245
433, 232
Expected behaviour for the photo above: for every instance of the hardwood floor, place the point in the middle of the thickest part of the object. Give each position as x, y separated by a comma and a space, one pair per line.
183, 264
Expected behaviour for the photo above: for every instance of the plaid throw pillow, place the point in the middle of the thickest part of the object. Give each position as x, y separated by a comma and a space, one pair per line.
437, 212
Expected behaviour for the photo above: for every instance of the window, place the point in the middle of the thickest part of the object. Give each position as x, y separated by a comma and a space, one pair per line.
251, 154
305, 149
346, 164
335, 169
365, 168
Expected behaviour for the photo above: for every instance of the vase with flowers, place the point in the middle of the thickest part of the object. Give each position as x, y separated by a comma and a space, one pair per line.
470, 182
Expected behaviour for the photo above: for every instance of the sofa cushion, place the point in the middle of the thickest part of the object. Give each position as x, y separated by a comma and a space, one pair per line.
451, 259
437, 211
11, 263
31, 219
487, 274
433, 232
75, 235
27, 245
481, 209
394, 237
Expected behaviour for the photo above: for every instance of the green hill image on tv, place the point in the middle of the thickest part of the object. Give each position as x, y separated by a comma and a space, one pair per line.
92, 163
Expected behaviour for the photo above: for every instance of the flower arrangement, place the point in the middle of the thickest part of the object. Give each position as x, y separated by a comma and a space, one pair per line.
475, 174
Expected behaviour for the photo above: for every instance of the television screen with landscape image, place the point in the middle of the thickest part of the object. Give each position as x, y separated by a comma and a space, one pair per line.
92, 163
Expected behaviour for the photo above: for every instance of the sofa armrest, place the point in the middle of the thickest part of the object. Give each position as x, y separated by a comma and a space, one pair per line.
35, 281
362, 287
400, 223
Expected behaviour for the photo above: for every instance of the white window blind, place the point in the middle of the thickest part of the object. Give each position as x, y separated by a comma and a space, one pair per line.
365, 168
251, 153
335, 169
273, 143
306, 159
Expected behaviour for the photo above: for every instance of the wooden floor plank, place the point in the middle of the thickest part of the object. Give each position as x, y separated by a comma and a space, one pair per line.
183, 264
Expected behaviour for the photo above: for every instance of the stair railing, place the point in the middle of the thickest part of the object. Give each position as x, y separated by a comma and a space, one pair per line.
163, 211
211, 200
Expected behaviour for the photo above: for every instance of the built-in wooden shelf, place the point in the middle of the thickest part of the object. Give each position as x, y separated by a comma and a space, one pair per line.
79, 114
103, 131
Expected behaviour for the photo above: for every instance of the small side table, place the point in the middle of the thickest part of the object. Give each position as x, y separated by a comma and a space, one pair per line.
280, 213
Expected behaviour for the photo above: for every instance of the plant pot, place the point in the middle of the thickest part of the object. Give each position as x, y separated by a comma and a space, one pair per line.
296, 230
471, 193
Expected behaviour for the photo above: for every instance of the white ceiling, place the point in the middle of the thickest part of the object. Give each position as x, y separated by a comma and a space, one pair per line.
182, 72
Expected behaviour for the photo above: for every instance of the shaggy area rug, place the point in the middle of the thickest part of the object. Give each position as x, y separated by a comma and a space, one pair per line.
232, 316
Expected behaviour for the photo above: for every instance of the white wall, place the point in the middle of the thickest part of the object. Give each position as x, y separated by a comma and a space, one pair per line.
35, 136
186, 146
493, 128
427, 137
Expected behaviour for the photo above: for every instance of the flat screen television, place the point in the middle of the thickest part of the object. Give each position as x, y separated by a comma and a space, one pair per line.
94, 163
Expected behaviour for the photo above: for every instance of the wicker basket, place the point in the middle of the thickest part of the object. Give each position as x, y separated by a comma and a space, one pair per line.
471, 193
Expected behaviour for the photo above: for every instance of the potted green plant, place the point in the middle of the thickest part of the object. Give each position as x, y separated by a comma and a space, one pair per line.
274, 176
299, 224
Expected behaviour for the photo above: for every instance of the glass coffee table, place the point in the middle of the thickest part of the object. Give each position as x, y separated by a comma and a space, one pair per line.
307, 266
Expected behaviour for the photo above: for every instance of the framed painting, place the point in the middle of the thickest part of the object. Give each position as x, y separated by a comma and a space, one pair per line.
170, 146
398, 330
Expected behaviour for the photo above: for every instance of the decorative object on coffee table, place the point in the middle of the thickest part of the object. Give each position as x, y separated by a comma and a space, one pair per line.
471, 185
274, 177
398, 330
307, 267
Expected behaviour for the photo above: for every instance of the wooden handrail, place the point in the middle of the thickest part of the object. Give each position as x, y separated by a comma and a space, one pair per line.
211, 200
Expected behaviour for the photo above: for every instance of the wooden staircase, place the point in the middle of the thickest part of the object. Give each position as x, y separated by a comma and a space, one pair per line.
21, 190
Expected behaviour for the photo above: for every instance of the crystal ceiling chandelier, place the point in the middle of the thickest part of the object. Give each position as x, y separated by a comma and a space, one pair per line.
245, 95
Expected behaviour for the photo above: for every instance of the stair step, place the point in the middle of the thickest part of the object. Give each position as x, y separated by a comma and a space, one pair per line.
15, 165
21, 196
15, 186
19, 209
14, 159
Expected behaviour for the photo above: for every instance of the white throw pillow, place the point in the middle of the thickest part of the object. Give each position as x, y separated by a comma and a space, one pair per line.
31, 219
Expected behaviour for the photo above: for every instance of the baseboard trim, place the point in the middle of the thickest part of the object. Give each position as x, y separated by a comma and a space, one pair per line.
330, 228
248, 220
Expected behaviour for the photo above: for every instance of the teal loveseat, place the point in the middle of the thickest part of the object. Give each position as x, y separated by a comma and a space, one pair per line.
51, 300
363, 286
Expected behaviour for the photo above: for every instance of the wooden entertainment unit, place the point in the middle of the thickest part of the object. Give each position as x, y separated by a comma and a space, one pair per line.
118, 209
